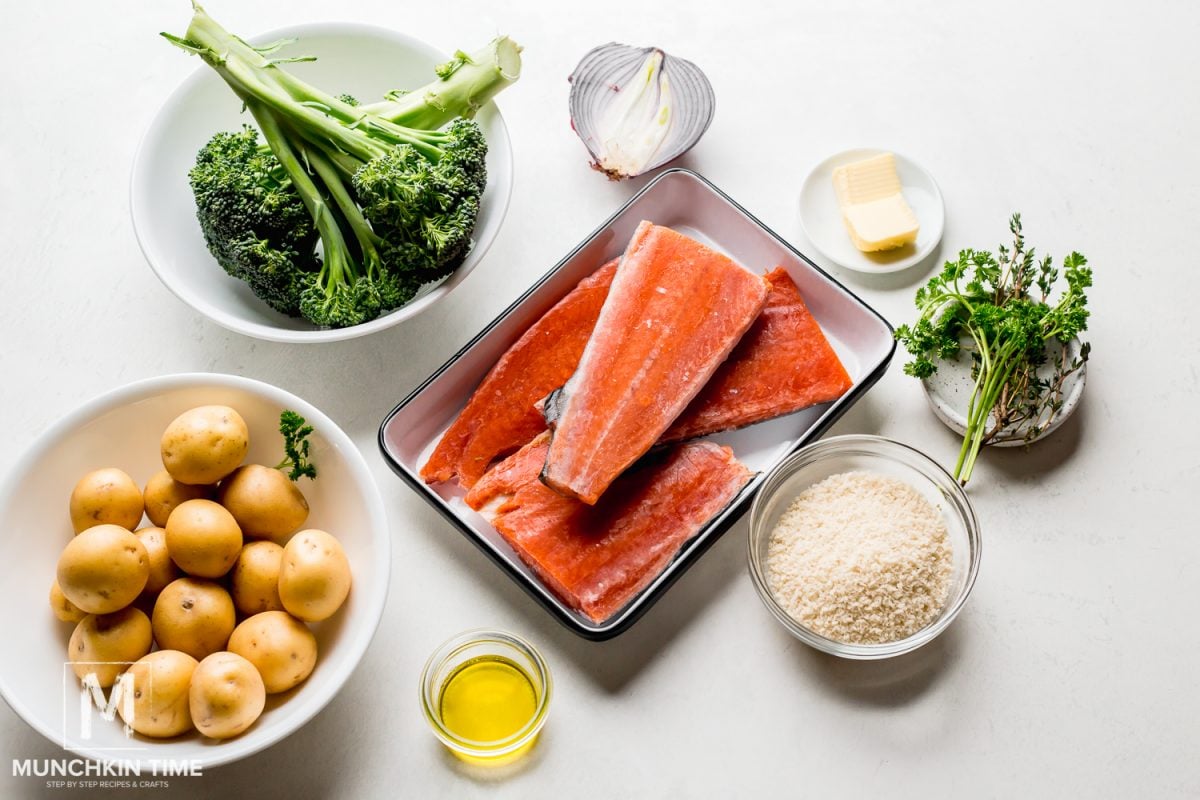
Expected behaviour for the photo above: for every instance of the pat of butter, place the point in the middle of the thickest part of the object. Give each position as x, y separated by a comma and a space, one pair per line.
876, 214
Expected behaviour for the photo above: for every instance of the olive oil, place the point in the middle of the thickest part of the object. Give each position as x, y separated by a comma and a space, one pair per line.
487, 700
485, 694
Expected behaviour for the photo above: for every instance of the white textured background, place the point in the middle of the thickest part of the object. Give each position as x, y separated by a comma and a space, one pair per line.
1072, 670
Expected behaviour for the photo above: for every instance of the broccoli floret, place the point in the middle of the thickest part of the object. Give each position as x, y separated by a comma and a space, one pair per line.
427, 210
351, 286
330, 299
394, 206
253, 220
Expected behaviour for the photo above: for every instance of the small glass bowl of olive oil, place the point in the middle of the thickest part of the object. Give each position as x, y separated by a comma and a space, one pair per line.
486, 693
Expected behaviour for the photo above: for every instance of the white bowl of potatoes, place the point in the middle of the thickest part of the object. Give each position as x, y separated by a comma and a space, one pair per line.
171, 623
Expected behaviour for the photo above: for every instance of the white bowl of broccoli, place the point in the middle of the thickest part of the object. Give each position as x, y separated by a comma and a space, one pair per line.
284, 211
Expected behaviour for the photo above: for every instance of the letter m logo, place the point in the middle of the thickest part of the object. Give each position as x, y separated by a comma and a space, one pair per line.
91, 698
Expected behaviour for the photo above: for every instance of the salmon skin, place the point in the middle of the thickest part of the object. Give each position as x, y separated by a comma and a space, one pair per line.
674, 312
501, 415
784, 363
597, 559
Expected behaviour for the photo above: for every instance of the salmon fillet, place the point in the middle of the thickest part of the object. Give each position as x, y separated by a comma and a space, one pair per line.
596, 559
501, 414
674, 312
784, 363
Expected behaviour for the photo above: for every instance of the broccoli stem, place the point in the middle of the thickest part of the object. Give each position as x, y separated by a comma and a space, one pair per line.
260, 81
475, 80
337, 266
312, 112
286, 154
366, 238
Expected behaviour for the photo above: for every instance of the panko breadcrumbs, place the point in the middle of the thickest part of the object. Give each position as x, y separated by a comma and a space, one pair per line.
861, 558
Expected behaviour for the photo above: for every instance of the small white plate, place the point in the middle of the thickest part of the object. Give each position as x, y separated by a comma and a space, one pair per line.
360, 59
822, 219
949, 391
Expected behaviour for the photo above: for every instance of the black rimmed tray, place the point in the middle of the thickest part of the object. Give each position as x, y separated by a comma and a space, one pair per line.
685, 201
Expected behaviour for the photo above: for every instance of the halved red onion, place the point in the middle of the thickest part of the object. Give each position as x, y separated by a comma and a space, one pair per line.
636, 108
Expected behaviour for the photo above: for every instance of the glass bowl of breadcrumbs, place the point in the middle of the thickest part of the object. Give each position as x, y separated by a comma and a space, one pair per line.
863, 547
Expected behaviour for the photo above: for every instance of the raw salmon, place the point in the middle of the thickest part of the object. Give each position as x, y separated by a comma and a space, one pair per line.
598, 558
674, 312
784, 363
501, 414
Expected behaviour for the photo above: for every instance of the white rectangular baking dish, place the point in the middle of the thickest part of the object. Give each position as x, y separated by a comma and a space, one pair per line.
685, 201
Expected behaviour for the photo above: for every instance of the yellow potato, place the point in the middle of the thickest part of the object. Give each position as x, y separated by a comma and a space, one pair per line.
193, 616
64, 609
105, 644
103, 569
281, 648
265, 503
160, 694
254, 582
162, 568
204, 444
106, 496
163, 493
203, 538
226, 695
315, 577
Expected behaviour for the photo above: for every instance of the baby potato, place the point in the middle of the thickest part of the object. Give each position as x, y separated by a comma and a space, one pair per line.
106, 496
254, 582
204, 444
160, 694
315, 576
281, 648
103, 569
203, 538
226, 696
265, 503
163, 493
193, 616
64, 609
162, 568
122, 636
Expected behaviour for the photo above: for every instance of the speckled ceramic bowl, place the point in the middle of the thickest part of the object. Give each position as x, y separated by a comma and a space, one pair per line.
949, 391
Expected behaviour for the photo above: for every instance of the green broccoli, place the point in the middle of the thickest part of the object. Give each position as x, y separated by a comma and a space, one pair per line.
253, 221
464, 85
393, 206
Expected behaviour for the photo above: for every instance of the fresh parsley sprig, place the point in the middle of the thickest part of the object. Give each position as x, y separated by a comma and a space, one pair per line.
295, 446
1000, 307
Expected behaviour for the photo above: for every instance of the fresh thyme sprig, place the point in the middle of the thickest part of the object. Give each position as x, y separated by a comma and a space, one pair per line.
1000, 307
